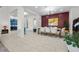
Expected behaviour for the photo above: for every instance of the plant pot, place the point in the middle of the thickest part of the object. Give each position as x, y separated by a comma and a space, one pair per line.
72, 49
34, 30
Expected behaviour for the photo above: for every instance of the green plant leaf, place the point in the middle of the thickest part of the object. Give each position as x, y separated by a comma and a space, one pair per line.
72, 39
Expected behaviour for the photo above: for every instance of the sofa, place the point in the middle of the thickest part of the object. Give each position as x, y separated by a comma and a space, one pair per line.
52, 30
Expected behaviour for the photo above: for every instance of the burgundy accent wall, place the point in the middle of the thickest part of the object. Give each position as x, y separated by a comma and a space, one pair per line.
63, 17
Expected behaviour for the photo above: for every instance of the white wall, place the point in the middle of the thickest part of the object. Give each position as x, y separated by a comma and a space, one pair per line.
4, 17
31, 25
30, 22
38, 18
30, 17
35, 15
5, 13
20, 16
73, 14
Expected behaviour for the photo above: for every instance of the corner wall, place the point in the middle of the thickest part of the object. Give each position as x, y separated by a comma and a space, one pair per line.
62, 18
74, 13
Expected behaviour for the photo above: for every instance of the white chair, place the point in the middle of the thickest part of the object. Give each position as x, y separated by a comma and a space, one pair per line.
47, 29
42, 29
62, 31
53, 30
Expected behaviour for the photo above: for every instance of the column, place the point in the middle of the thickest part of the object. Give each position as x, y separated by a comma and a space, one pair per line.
20, 14
70, 23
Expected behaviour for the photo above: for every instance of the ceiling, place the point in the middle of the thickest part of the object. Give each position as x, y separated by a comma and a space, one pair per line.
45, 10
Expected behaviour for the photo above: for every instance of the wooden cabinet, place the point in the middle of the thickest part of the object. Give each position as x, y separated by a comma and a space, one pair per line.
4, 31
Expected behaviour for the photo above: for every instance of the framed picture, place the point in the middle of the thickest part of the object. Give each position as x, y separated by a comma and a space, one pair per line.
53, 22
13, 24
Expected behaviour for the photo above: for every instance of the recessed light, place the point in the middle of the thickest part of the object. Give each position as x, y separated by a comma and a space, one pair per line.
36, 6
50, 8
25, 13
61, 9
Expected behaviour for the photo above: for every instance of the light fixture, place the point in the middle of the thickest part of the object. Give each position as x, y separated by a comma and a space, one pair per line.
36, 6
61, 10
50, 8
25, 13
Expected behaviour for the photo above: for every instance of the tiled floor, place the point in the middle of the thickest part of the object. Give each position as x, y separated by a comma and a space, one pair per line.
33, 42
3, 48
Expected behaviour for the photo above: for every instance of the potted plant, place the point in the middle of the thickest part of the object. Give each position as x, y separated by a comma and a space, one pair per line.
66, 25
72, 42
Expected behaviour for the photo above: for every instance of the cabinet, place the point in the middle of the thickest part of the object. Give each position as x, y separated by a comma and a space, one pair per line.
4, 31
